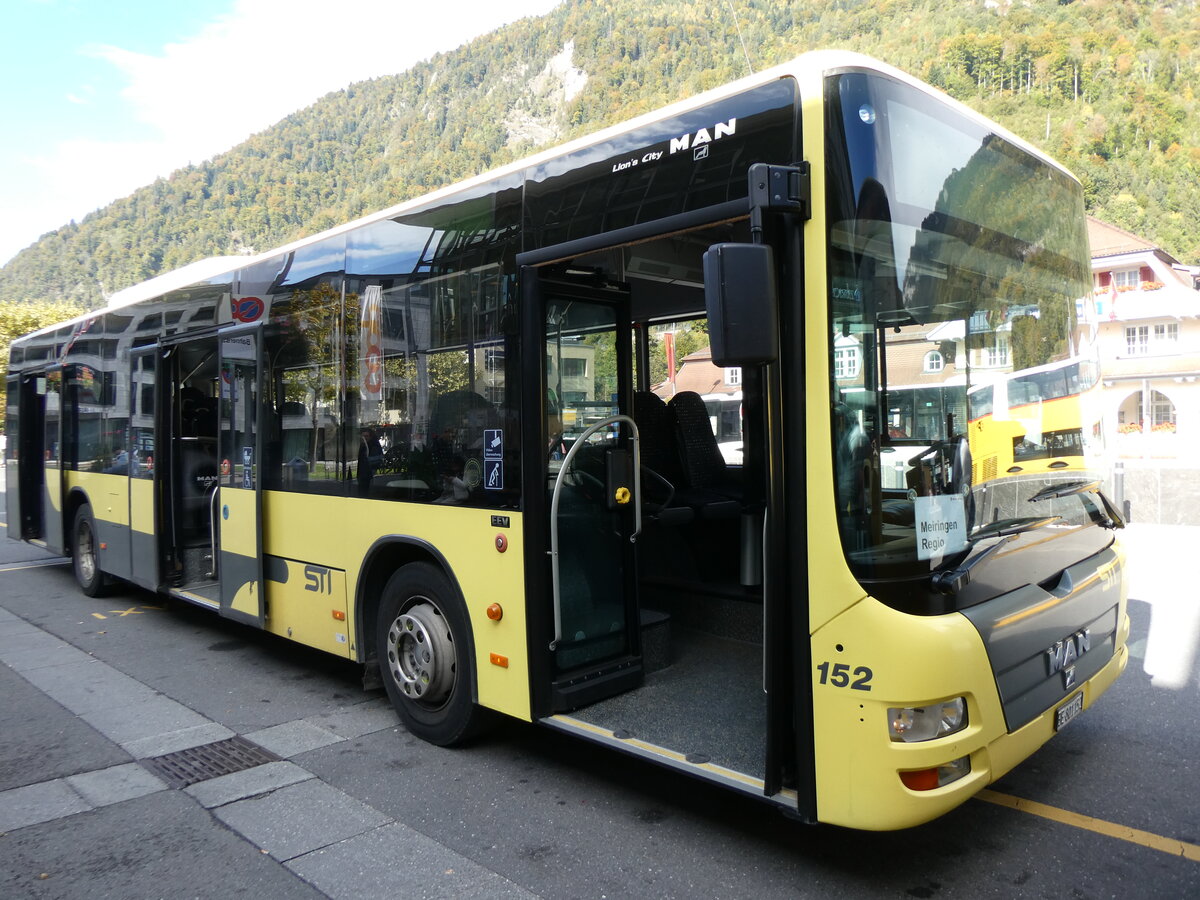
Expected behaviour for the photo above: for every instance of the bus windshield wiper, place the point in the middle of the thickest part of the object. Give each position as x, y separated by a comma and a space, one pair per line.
951, 581
1112, 517
1064, 489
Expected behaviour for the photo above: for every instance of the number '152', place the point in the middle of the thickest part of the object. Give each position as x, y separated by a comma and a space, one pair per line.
839, 675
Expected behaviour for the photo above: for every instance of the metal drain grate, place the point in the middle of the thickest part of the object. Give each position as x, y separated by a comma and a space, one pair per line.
185, 767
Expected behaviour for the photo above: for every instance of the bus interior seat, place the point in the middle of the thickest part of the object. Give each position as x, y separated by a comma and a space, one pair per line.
660, 455
459, 410
709, 487
456, 428
205, 418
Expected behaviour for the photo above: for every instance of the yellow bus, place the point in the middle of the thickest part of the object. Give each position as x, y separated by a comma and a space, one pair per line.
1037, 419
425, 441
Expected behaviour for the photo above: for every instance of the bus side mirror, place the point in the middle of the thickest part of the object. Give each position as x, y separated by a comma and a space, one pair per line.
739, 291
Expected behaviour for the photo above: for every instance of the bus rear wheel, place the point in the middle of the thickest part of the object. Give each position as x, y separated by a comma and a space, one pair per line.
423, 645
85, 560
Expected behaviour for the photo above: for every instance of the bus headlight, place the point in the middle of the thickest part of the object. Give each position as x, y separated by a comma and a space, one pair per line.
924, 723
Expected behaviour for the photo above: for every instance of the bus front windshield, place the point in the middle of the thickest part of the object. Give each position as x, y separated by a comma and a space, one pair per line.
962, 346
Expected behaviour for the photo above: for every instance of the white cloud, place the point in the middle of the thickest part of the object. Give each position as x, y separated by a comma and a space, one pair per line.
268, 58
237, 76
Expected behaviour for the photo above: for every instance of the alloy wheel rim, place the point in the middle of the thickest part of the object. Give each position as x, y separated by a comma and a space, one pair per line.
86, 553
420, 654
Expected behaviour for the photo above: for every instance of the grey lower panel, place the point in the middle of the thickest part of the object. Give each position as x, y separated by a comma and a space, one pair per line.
1027, 631
114, 554
144, 558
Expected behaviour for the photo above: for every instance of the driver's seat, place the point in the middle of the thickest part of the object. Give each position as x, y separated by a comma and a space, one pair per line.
660, 457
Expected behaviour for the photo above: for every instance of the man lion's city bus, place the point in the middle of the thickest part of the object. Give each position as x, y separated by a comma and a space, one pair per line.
426, 441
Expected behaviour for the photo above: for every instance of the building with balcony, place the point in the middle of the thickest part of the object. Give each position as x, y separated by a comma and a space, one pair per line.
1148, 310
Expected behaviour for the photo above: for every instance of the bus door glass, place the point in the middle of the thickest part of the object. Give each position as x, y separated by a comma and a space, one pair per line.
140, 466
33, 452
589, 481
239, 493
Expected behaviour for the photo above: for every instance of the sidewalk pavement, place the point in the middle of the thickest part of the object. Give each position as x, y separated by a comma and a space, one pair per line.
87, 811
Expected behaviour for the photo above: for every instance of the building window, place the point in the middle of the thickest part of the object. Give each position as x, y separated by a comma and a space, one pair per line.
994, 353
847, 359
1168, 333
1137, 340
733, 376
1162, 412
1130, 278
934, 361
1142, 340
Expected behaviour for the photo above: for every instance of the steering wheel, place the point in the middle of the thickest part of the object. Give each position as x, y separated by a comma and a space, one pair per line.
661, 481
933, 449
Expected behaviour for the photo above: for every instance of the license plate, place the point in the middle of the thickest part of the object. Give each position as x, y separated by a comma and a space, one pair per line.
1068, 711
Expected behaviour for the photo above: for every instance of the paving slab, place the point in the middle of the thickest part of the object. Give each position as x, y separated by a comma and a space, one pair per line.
249, 783
365, 718
396, 861
300, 818
143, 718
20, 636
58, 654
37, 803
160, 845
88, 686
115, 784
40, 740
293, 738
173, 741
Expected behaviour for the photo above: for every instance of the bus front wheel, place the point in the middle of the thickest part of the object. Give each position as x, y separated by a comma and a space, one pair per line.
85, 560
422, 640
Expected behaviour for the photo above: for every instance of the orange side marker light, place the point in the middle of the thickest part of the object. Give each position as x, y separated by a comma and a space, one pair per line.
920, 780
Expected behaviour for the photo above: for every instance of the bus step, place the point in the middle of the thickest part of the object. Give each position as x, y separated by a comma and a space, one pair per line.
197, 564
656, 640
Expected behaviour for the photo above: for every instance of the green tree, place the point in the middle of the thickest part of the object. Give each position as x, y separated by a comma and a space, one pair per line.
17, 319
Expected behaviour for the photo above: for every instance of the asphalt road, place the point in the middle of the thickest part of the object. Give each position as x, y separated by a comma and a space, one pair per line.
356, 807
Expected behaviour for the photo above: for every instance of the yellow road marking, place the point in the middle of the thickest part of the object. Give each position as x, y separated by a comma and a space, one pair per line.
1099, 826
132, 611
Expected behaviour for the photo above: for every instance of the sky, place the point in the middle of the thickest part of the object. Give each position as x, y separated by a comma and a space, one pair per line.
101, 97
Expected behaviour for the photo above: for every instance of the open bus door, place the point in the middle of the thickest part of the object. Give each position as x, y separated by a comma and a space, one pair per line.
39, 463
239, 491
31, 459
143, 562
592, 489
210, 535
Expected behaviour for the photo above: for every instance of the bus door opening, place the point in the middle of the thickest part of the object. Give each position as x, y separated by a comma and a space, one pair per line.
33, 456
592, 487
692, 619
188, 448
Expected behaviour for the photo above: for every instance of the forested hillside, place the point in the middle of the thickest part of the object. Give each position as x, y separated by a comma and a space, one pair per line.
1110, 87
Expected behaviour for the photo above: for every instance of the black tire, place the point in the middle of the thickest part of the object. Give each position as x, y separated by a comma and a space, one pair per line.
84, 558
423, 642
